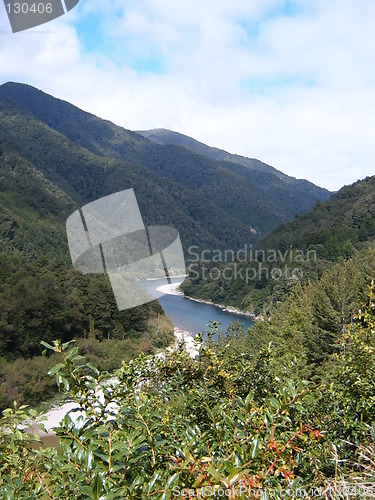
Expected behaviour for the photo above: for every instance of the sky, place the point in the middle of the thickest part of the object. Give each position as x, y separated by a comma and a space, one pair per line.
291, 83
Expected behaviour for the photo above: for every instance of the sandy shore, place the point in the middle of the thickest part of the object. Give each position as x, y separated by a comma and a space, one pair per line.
171, 289
188, 338
228, 309
54, 416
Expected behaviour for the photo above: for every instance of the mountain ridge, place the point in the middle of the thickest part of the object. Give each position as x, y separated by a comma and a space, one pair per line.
215, 203
166, 136
268, 180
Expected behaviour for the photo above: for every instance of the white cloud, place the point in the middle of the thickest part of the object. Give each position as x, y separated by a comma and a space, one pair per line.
296, 90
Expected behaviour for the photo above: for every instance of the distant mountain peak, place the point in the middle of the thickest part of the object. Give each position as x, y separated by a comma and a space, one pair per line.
165, 136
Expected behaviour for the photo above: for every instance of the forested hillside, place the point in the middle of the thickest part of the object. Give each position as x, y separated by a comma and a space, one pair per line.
42, 297
335, 228
293, 195
213, 206
331, 232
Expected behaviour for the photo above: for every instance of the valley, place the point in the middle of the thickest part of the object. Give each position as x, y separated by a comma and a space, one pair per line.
279, 288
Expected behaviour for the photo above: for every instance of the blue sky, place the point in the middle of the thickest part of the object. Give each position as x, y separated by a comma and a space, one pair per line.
288, 82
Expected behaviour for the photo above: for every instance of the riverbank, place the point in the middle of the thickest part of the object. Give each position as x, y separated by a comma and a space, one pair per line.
229, 309
188, 339
170, 289
174, 289
54, 415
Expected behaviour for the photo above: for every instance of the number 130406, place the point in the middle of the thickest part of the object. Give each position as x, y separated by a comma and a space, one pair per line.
25, 8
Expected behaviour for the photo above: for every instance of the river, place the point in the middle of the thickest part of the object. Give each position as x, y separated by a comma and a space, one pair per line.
194, 316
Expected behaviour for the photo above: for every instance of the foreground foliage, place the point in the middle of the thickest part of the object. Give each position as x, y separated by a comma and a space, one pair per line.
222, 425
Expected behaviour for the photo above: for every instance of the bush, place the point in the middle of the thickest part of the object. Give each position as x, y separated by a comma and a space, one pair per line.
221, 425
26, 380
133, 443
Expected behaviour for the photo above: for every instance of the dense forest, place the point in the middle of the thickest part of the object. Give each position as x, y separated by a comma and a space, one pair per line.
284, 409
43, 298
213, 206
331, 233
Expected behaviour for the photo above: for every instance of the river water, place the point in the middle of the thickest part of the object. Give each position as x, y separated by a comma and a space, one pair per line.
194, 316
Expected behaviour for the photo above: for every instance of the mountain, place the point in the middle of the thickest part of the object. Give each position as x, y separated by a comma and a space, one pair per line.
336, 228
32, 210
331, 232
164, 136
256, 171
41, 296
215, 204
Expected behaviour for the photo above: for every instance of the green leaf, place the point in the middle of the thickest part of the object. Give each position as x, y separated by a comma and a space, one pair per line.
55, 369
97, 487
249, 397
275, 403
215, 474
86, 490
233, 472
172, 481
254, 448
49, 346
235, 478
153, 480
